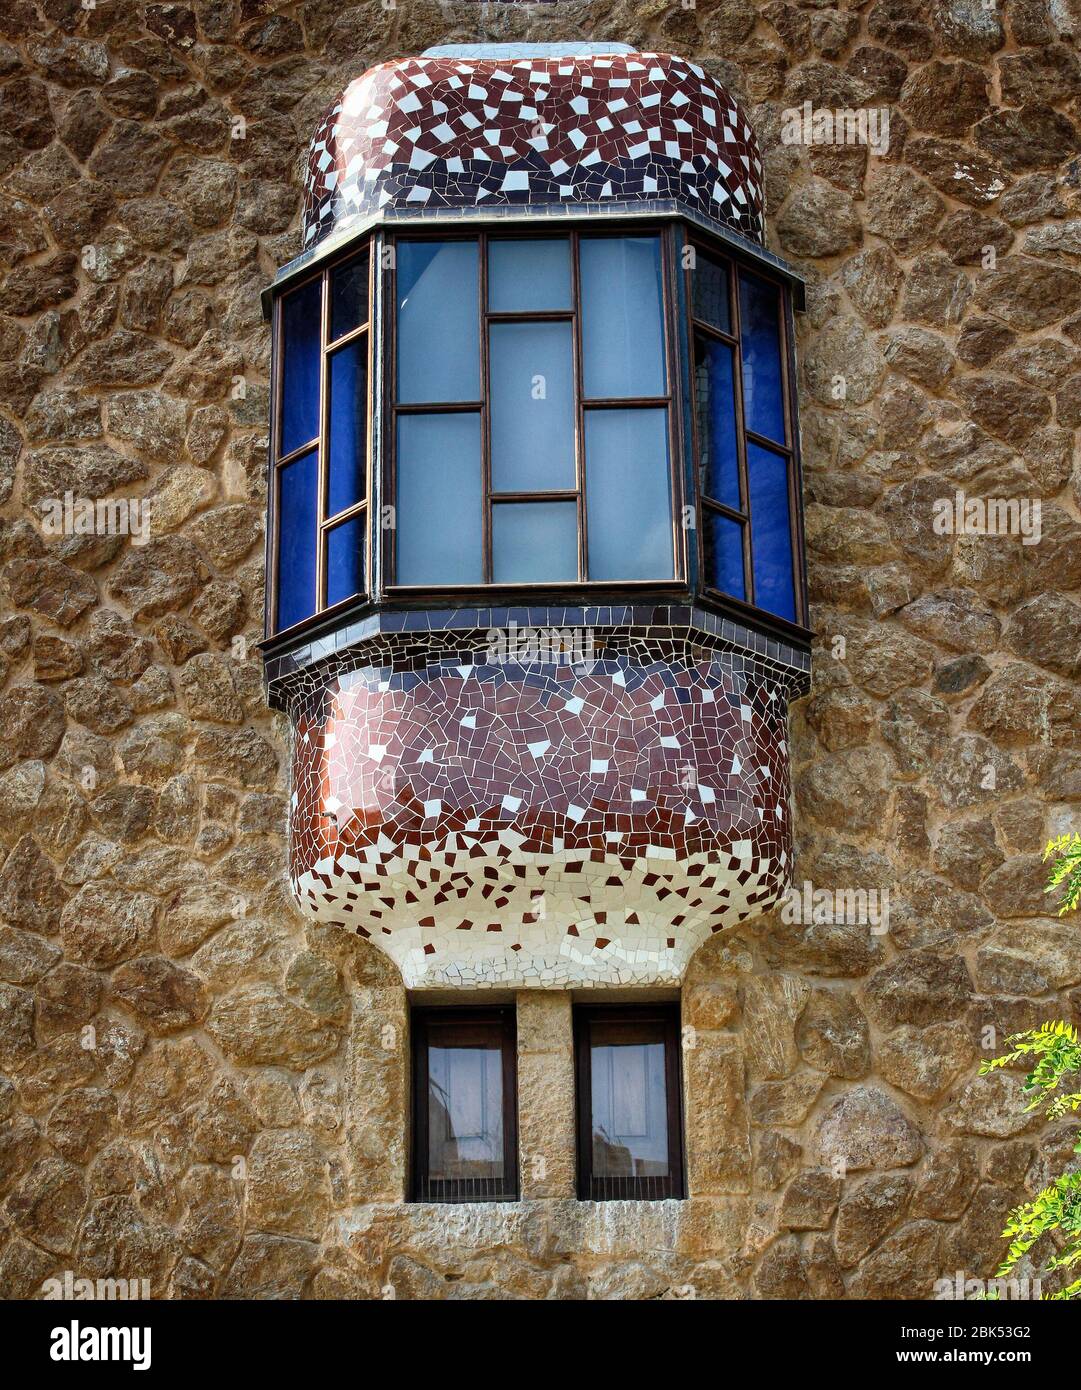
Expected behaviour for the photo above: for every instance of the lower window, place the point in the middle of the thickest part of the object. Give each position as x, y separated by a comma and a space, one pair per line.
630, 1142
465, 1140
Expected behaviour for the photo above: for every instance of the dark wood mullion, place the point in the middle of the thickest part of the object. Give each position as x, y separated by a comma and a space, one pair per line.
439, 408
347, 338
764, 442
710, 330
485, 413
324, 452
530, 315
296, 453
270, 597
553, 495
577, 377
741, 434
730, 512
346, 514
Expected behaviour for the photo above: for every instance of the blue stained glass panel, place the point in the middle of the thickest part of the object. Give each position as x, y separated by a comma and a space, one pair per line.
715, 404
347, 448
722, 553
298, 486
771, 532
345, 560
300, 327
760, 341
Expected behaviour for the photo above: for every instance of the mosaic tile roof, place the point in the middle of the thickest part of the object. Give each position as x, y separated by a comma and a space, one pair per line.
538, 126
493, 813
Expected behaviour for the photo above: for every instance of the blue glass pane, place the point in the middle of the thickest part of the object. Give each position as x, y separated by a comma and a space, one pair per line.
439, 499
438, 333
771, 537
714, 399
300, 366
525, 275
345, 560
722, 553
760, 331
298, 489
622, 322
347, 450
348, 296
532, 399
628, 494
534, 542
709, 291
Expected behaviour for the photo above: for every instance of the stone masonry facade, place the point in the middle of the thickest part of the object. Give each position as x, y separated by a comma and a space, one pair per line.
200, 1089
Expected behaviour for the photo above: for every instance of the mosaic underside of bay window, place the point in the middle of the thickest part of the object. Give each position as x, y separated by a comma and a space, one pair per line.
540, 824
439, 133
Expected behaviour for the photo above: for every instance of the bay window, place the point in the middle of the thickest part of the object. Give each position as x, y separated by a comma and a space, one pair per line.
541, 417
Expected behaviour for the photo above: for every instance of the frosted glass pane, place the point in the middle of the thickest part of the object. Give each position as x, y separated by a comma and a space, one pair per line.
622, 323
722, 554
348, 296
524, 275
534, 542
714, 400
438, 334
298, 485
439, 499
628, 494
300, 366
532, 406
760, 333
771, 543
348, 447
345, 560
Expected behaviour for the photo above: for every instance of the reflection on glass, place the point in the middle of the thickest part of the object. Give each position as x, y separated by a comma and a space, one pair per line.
439, 499
300, 366
534, 542
622, 317
709, 291
628, 494
348, 445
348, 297
630, 1104
771, 544
298, 489
465, 1112
532, 401
714, 399
345, 560
438, 334
529, 275
722, 553
760, 335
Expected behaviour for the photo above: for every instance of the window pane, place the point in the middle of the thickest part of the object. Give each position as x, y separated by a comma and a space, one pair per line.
465, 1112
628, 494
760, 332
534, 542
529, 275
298, 484
722, 553
716, 416
348, 445
345, 560
348, 297
300, 366
438, 334
630, 1102
532, 405
622, 324
771, 543
439, 499
709, 291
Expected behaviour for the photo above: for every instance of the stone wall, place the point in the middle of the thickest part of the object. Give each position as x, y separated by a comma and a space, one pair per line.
198, 1089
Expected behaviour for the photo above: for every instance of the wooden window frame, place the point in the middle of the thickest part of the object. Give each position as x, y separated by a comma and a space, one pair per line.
594, 1189
328, 347
669, 402
421, 1187
789, 450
